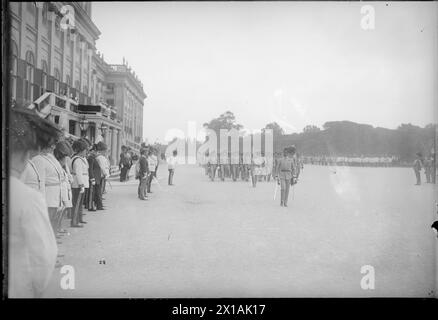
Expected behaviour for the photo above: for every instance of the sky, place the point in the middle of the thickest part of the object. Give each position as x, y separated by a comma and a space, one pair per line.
296, 63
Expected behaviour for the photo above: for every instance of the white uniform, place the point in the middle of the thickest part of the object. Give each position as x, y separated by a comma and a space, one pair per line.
50, 172
152, 163
67, 179
32, 244
104, 165
31, 177
172, 162
258, 161
80, 172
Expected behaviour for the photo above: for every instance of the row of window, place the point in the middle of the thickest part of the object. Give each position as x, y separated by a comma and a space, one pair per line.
30, 76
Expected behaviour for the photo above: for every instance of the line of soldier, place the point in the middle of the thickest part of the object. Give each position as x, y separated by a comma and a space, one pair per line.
352, 161
49, 178
254, 167
71, 176
146, 170
429, 166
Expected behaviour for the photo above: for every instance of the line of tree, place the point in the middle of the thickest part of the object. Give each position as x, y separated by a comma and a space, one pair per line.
346, 138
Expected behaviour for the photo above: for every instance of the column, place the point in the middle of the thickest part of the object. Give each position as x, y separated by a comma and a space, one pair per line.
112, 147
73, 60
108, 137
96, 131
119, 141
22, 44
51, 61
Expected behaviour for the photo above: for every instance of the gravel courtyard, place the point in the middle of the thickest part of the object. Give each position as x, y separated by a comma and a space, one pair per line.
226, 239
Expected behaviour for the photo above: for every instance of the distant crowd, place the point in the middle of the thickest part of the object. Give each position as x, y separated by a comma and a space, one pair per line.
146, 167
353, 161
387, 161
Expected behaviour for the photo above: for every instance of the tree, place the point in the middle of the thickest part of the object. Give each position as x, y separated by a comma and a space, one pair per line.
276, 129
226, 121
311, 129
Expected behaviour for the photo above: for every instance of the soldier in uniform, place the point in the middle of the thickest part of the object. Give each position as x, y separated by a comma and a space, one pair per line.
143, 174
206, 163
31, 176
94, 175
434, 167
104, 170
417, 168
246, 166
51, 175
61, 152
257, 168
80, 181
234, 165
223, 162
428, 169
285, 171
213, 160
152, 163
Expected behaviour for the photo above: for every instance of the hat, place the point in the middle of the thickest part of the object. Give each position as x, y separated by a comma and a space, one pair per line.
101, 146
30, 131
80, 145
62, 149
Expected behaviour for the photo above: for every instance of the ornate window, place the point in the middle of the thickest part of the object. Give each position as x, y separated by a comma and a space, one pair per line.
44, 75
57, 80
68, 82
14, 69
30, 68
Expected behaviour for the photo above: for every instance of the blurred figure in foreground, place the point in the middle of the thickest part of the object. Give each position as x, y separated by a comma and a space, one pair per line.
32, 243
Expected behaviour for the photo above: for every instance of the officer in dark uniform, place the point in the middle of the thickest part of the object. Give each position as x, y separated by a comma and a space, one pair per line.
285, 172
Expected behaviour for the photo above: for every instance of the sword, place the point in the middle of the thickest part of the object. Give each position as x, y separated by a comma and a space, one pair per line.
276, 189
156, 180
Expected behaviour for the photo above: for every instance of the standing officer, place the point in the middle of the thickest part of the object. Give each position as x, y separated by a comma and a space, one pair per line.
51, 175
234, 164
124, 164
285, 172
417, 168
152, 162
102, 173
213, 160
223, 162
94, 174
143, 174
80, 181
428, 169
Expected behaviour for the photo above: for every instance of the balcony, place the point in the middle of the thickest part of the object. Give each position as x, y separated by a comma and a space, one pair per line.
49, 99
118, 67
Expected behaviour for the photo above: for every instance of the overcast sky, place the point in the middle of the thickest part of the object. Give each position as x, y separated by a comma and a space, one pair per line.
294, 63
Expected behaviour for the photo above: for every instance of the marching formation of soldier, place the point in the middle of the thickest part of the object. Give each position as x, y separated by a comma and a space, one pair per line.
256, 167
245, 167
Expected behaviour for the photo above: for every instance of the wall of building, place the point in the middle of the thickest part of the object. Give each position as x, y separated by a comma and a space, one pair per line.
47, 58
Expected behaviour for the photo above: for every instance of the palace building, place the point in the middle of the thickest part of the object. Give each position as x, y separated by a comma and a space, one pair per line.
56, 68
